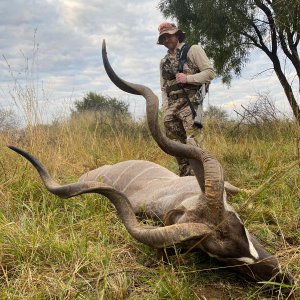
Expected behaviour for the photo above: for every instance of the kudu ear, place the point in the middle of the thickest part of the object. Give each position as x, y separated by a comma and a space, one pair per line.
172, 216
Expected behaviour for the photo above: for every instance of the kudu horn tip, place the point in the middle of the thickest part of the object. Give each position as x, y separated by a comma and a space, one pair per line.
103, 45
14, 148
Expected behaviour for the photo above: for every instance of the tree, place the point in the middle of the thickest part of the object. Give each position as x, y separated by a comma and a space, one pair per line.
230, 29
98, 103
216, 113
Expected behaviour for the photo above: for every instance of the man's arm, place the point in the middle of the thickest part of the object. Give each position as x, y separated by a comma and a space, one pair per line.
198, 56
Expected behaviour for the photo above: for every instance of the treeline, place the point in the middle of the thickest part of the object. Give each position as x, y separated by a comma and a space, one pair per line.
106, 115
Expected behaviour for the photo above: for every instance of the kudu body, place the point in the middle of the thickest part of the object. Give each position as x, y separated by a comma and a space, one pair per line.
152, 190
193, 210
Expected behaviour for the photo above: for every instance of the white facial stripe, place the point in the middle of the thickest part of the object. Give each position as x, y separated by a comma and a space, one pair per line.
252, 249
246, 260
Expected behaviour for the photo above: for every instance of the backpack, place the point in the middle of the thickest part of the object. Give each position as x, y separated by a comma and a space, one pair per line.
183, 56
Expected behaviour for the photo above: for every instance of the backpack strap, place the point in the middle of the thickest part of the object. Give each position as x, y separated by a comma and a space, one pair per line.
183, 56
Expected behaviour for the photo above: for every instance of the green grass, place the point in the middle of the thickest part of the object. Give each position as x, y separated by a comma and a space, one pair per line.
78, 249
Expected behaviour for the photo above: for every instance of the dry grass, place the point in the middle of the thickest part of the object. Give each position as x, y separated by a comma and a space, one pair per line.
78, 249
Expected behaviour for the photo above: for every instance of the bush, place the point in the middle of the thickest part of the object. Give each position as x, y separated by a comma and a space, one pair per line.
102, 105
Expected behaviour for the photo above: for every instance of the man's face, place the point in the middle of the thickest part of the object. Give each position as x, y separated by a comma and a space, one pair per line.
170, 41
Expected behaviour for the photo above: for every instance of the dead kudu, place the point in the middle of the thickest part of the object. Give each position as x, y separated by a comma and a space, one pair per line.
194, 210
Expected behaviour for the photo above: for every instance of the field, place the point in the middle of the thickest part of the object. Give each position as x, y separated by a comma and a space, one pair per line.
78, 249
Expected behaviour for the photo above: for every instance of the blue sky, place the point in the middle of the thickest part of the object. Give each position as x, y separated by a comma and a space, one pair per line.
53, 49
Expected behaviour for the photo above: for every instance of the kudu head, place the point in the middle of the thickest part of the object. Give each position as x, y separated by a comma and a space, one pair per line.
213, 227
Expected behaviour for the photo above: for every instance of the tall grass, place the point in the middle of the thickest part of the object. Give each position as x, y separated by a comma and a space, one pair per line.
78, 249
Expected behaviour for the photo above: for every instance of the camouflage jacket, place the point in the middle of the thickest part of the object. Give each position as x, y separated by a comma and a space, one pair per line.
197, 67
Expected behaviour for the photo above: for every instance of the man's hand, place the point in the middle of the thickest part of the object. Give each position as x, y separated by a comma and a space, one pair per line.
181, 78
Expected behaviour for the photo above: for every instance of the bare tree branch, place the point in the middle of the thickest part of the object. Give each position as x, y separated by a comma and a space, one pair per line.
258, 74
269, 15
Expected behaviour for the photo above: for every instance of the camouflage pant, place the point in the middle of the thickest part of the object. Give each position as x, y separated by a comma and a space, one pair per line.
178, 122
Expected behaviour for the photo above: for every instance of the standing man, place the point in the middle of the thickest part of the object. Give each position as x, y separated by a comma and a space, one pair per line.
182, 91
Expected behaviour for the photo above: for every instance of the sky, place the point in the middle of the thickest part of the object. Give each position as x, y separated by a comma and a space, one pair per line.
51, 52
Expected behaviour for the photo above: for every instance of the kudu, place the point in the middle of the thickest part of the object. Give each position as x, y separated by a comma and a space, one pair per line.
193, 209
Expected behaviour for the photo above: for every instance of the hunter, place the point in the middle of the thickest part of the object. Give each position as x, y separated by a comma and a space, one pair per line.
185, 73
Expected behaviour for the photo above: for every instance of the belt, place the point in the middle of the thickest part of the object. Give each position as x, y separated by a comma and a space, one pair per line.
175, 87
180, 95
